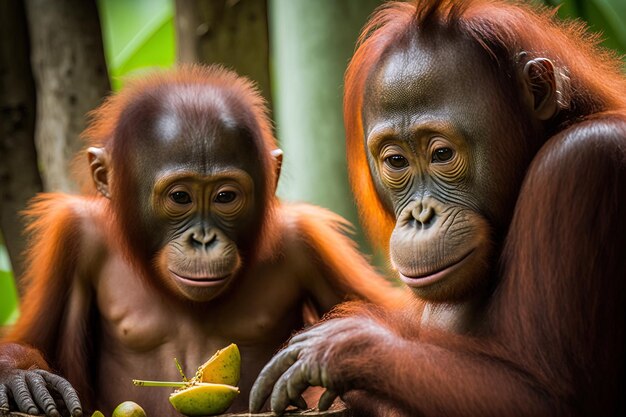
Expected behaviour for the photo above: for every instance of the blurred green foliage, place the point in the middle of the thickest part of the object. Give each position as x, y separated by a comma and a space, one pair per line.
8, 295
138, 35
605, 16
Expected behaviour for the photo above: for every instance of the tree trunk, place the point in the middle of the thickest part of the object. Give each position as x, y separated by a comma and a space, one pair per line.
19, 175
69, 67
312, 43
230, 32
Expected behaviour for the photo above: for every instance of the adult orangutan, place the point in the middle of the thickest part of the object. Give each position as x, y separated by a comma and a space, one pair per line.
184, 250
487, 145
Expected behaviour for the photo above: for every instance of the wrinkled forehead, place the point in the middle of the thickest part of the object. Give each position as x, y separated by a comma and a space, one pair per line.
196, 128
427, 72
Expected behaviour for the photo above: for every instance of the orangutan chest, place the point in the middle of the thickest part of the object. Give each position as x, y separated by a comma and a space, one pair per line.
138, 317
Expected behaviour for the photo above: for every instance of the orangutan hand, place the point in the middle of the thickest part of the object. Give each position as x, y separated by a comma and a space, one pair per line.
319, 356
32, 392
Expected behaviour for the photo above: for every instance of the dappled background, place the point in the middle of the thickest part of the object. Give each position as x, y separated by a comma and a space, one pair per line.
58, 59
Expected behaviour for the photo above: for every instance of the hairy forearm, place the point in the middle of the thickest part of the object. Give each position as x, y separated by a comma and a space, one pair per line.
368, 404
432, 380
418, 372
18, 356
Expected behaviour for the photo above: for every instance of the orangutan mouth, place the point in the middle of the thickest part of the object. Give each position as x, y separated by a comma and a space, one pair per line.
418, 281
200, 281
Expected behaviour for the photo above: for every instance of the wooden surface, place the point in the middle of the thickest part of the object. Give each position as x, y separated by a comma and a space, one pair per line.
306, 413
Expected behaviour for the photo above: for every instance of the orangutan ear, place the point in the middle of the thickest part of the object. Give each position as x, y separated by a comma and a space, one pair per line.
277, 154
540, 88
99, 164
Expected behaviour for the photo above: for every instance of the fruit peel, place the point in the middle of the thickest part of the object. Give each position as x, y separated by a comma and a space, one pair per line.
129, 409
213, 388
201, 399
224, 367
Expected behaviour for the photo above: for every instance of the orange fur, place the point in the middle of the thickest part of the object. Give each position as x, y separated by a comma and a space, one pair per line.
80, 242
326, 234
248, 105
54, 262
377, 219
552, 338
105, 119
593, 80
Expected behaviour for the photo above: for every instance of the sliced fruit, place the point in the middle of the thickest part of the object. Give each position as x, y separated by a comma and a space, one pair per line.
204, 399
224, 367
212, 390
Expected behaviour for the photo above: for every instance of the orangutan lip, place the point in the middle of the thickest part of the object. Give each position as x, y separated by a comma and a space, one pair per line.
427, 279
200, 281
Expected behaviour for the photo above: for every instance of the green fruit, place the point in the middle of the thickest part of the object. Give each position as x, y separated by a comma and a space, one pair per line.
97, 413
204, 399
129, 409
224, 367
211, 391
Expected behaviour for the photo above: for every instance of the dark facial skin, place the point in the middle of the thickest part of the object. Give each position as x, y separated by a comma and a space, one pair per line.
206, 211
199, 186
432, 158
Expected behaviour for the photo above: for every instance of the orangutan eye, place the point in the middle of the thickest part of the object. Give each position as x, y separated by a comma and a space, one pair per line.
442, 155
397, 161
225, 197
180, 197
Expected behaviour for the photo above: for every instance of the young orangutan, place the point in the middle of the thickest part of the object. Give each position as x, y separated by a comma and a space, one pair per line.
487, 149
185, 250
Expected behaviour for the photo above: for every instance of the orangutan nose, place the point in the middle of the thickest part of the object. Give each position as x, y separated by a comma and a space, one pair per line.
424, 215
202, 239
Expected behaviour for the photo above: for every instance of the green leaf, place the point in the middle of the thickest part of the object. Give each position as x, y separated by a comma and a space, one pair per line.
137, 35
8, 299
607, 17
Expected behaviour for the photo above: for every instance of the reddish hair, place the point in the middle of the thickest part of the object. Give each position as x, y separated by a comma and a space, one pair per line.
589, 77
107, 130
105, 119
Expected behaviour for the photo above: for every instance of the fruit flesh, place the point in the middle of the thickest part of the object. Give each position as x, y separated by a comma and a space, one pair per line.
224, 367
204, 399
212, 390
